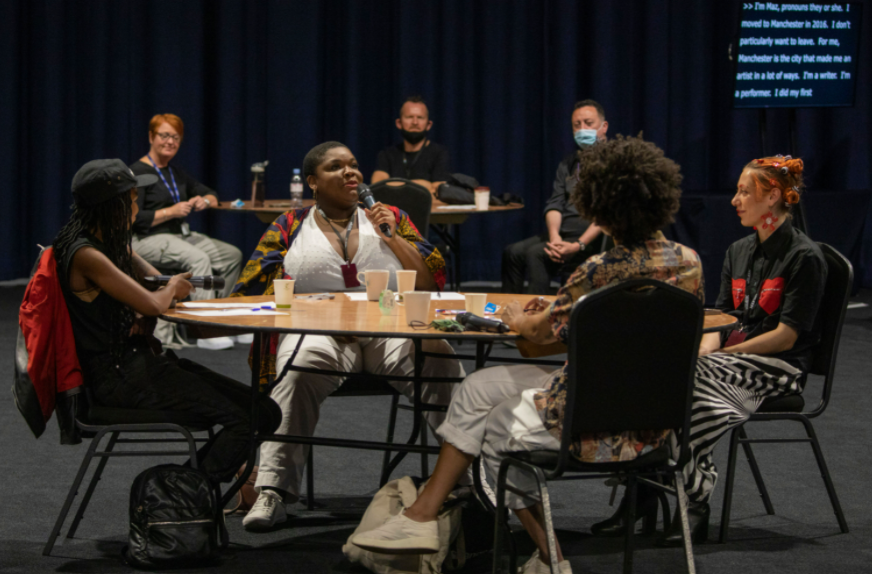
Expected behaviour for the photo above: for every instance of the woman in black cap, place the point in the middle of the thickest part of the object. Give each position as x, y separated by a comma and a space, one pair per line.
112, 317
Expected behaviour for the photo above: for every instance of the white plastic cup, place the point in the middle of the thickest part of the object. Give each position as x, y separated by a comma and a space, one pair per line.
406, 280
475, 303
284, 293
376, 281
482, 198
417, 305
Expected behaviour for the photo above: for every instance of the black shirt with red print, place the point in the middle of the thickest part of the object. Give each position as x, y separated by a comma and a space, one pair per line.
778, 281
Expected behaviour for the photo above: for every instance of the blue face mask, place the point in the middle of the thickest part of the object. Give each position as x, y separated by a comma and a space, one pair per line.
585, 138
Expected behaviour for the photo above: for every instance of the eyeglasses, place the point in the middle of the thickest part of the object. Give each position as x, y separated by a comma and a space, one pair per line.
167, 136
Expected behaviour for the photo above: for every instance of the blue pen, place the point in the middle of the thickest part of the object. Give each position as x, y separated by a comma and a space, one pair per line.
267, 307
258, 309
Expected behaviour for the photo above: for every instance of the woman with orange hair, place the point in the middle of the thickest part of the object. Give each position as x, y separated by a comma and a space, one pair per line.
163, 237
772, 281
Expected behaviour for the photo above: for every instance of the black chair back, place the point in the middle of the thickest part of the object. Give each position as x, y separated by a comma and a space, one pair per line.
831, 316
412, 198
632, 353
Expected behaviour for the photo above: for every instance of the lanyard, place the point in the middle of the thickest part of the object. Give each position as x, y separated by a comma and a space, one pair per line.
750, 304
174, 190
342, 242
408, 167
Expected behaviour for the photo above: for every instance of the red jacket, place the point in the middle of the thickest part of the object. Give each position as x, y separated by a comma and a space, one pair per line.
46, 365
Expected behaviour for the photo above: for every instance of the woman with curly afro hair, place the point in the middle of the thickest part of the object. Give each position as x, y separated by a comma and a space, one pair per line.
630, 189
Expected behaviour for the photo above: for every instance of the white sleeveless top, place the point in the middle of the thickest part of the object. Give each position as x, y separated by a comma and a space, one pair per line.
315, 265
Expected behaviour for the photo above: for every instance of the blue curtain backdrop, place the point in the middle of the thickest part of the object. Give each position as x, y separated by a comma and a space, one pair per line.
256, 80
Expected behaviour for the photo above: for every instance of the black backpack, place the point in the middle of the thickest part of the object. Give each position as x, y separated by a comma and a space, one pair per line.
174, 519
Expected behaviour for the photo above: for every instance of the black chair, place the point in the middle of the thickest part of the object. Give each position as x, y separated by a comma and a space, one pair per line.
831, 315
97, 422
632, 354
412, 198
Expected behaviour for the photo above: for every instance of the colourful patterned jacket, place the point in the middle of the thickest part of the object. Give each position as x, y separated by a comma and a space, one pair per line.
267, 263
656, 258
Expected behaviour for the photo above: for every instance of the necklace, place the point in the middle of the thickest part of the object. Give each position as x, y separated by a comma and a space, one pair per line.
343, 221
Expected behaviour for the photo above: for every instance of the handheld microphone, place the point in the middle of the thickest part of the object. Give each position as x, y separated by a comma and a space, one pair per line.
199, 281
476, 323
365, 195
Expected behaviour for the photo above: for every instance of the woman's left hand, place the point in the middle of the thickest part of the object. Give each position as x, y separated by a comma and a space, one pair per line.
198, 203
380, 214
513, 315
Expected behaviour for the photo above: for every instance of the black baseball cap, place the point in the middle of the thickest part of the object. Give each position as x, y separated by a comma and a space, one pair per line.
102, 179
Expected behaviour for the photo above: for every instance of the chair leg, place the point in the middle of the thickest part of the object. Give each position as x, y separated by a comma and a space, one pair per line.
310, 479
825, 474
392, 424
681, 494
728, 487
549, 523
92, 486
755, 470
74, 490
425, 467
630, 521
501, 522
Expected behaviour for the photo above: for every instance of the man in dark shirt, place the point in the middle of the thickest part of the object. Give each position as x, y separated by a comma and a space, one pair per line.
569, 239
417, 159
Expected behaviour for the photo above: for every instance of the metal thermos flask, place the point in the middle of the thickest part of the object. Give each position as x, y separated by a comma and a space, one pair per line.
258, 185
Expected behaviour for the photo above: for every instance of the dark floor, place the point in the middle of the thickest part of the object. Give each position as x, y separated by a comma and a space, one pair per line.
802, 537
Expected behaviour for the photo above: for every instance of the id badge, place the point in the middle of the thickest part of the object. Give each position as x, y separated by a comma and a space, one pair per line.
349, 274
735, 338
186, 229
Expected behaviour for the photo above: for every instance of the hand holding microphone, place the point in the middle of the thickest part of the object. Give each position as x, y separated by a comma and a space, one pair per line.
365, 195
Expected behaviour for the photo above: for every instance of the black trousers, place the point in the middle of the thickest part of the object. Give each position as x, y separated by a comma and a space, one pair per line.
527, 259
159, 382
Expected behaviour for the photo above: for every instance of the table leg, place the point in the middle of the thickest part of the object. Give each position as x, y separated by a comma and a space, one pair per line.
260, 342
417, 412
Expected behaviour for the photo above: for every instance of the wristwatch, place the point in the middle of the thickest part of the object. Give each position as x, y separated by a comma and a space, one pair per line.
581, 245
208, 203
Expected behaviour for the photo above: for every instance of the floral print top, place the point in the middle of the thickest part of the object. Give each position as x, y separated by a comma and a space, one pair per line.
656, 258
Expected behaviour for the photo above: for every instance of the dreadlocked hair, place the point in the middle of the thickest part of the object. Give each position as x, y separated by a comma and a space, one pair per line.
627, 186
112, 218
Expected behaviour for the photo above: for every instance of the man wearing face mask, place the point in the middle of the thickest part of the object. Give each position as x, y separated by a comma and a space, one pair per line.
417, 158
569, 239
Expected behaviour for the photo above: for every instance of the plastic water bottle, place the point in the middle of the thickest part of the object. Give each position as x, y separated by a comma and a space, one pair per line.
296, 190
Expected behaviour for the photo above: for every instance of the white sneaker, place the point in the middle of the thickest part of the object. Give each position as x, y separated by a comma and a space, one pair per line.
215, 343
536, 566
266, 512
401, 535
246, 339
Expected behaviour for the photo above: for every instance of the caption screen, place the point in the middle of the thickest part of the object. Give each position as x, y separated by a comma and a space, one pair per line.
796, 55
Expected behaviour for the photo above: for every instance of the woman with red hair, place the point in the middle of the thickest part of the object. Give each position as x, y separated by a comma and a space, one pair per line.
163, 237
772, 281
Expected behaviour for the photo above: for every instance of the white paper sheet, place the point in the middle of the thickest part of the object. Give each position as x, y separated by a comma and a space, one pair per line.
357, 296
207, 305
230, 312
471, 206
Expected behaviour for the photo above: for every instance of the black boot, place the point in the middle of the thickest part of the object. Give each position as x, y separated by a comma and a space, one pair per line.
646, 510
697, 518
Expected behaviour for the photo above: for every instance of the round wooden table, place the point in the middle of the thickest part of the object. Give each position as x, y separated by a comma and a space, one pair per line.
440, 214
342, 316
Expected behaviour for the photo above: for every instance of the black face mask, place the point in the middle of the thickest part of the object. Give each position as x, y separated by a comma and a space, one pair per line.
413, 137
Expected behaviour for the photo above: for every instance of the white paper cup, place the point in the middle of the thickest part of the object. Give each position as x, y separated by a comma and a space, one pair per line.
482, 198
417, 306
406, 280
284, 293
376, 281
475, 303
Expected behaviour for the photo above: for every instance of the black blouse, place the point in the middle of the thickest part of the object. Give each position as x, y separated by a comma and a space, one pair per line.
155, 197
778, 281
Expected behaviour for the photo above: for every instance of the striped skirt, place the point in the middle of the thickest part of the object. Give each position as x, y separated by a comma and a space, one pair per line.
728, 388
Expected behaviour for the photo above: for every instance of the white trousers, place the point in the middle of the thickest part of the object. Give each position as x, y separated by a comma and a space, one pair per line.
198, 253
493, 413
299, 395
